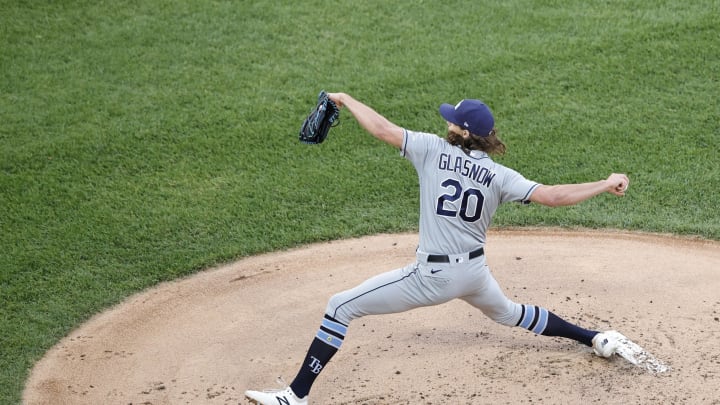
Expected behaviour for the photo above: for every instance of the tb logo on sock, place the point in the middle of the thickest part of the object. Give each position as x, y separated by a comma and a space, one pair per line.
315, 365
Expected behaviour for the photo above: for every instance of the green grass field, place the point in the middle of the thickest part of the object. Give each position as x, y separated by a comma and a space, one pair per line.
145, 140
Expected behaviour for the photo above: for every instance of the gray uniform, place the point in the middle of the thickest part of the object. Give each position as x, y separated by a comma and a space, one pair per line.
459, 193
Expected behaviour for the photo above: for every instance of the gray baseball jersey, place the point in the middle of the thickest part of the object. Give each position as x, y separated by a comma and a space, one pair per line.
459, 192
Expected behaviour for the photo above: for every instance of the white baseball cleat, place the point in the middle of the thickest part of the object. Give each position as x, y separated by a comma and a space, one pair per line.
605, 344
276, 397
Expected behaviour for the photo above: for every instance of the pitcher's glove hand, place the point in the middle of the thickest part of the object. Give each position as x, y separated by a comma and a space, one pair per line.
316, 126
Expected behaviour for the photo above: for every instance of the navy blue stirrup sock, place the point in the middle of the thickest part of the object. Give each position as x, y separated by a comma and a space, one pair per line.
558, 327
543, 322
326, 343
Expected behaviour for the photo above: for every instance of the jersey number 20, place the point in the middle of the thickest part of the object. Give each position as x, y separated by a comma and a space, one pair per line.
470, 205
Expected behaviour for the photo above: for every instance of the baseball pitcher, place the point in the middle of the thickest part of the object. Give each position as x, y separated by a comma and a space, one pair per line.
461, 187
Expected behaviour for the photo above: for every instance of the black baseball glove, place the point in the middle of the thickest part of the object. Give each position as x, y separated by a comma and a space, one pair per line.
317, 125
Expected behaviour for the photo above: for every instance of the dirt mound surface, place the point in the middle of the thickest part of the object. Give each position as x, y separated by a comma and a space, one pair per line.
208, 338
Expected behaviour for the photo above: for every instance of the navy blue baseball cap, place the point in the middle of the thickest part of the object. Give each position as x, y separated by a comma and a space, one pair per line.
472, 115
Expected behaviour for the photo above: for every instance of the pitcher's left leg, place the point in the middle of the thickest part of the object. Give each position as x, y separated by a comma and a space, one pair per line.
390, 292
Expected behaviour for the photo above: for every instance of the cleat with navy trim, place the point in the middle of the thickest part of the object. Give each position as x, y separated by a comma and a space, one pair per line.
276, 397
606, 343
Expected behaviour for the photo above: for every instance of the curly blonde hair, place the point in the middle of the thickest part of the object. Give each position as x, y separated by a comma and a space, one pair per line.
491, 144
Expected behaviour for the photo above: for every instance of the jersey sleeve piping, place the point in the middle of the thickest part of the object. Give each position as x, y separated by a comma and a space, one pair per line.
404, 142
526, 199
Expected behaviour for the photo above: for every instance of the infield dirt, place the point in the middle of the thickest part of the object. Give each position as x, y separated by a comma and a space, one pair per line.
208, 338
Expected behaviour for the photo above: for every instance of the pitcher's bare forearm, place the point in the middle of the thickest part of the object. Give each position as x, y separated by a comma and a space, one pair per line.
376, 124
570, 194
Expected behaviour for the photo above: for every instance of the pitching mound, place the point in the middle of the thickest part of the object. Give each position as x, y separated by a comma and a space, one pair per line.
206, 339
